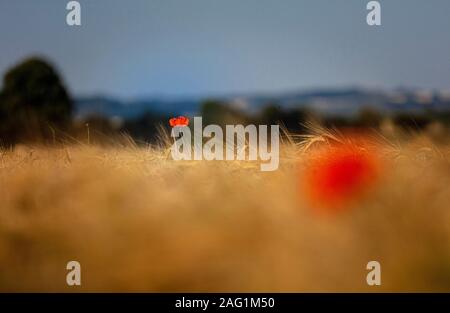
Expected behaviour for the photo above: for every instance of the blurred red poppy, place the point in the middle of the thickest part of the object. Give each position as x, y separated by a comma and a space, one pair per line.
179, 121
339, 176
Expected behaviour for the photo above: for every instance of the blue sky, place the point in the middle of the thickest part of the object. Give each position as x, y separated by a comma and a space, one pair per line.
204, 47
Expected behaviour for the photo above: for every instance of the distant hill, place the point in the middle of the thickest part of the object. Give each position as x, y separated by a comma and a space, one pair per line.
326, 101
111, 107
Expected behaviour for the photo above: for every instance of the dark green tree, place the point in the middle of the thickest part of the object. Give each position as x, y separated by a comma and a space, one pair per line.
293, 119
33, 103
220, 113
369, 117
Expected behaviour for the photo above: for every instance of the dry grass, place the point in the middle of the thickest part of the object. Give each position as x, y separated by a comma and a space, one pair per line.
138, 221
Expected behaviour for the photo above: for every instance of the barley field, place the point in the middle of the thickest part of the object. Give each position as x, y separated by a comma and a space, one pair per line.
138, 221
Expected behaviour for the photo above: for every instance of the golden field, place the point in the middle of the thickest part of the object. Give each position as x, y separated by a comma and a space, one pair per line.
138, 221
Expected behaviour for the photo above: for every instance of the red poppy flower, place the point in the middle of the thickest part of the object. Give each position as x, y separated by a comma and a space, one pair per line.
179, 121
339, 176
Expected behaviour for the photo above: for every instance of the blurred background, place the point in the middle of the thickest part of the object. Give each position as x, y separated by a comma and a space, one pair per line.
137, 221
131, 66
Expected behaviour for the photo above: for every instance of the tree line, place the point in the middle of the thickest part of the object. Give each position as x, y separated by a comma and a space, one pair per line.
35, 106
